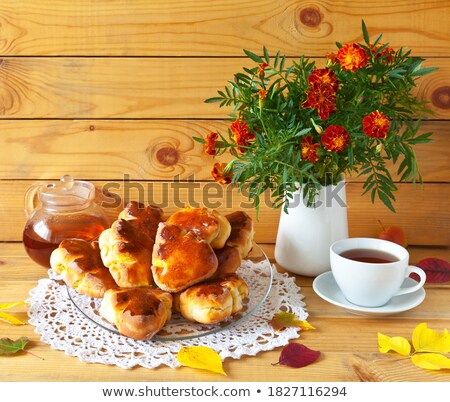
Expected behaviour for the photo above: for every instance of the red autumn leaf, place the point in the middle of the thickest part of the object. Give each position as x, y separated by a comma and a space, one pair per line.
297, 355
437, 270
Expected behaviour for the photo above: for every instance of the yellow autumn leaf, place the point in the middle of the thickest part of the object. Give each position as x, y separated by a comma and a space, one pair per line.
285, 319
397, 344
425, 339
431, 361
201, 357
7, 306
10, 319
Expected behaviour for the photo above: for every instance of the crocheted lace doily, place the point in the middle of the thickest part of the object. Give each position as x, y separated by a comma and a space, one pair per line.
63, 326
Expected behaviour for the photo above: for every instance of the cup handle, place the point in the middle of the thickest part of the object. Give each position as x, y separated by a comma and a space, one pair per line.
422, 276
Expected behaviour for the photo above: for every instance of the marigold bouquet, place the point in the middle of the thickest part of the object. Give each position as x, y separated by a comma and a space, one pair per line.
301, 126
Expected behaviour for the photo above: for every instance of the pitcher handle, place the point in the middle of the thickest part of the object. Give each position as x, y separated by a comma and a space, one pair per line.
30, 199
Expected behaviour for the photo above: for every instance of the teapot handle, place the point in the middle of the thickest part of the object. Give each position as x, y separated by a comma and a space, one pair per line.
30, 199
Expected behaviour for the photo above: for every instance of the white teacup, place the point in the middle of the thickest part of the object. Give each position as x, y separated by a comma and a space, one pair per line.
373, 278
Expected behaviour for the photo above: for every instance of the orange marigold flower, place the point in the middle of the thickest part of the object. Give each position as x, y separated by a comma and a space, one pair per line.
261, 69
210, 143
219, 174
352, 57
323, 99
335, 138
387, 54
323, 77
240, 134
309, 150
376, 125
262, 94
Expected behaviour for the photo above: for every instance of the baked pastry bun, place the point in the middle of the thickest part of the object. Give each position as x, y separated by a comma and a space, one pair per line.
238, 244
208, 225
80, 266
242, 232
180, 258
127, 252
145, 219
229, 259
212, 301
138, 313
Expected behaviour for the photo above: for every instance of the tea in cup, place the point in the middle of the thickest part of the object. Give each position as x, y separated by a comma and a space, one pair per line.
370, 272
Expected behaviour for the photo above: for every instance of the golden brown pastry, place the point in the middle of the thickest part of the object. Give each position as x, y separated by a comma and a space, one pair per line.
213, 301
127, 252
238, 244
127, 246
80, 266
229, 260
180, 258
138, 313
242, 232
209, 225
238, 289
144, 218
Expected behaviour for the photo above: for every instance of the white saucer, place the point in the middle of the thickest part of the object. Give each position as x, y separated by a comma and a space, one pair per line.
326, 287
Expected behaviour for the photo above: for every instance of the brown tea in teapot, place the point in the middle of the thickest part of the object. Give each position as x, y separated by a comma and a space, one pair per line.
39, 248
58, 211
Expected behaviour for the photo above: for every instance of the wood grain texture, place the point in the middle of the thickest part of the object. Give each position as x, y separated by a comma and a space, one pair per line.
146, 149
424, 215
344, 357
137, 88
215, 27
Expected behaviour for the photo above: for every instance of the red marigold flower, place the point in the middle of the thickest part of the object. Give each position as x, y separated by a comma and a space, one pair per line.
335, 138
376, 125
323, 77
240, 134
352, 57
210, 143
387, 54
309, 150
323, 99
261, 69
219, 174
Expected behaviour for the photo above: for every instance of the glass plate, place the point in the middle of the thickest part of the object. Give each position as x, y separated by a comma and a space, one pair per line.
256, 271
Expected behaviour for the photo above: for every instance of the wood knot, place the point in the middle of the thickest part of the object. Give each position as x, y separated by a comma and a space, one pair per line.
310, 17
91, 127
441, 97
167, 156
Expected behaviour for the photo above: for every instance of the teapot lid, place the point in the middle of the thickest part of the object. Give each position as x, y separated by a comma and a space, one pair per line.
66, 193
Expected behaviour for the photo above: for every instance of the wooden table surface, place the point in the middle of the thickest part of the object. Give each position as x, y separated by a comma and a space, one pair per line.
348, 343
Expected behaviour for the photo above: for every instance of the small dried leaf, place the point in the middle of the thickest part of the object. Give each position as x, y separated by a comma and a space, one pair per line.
428, 340
201, 357
9, 347
297, 355
437, 270
397, 344
284, 320
10, 319
431, 361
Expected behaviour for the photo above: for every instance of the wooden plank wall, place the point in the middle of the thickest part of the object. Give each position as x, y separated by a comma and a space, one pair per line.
100, 89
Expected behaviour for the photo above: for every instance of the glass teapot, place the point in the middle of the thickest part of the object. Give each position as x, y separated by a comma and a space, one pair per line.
58, 211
